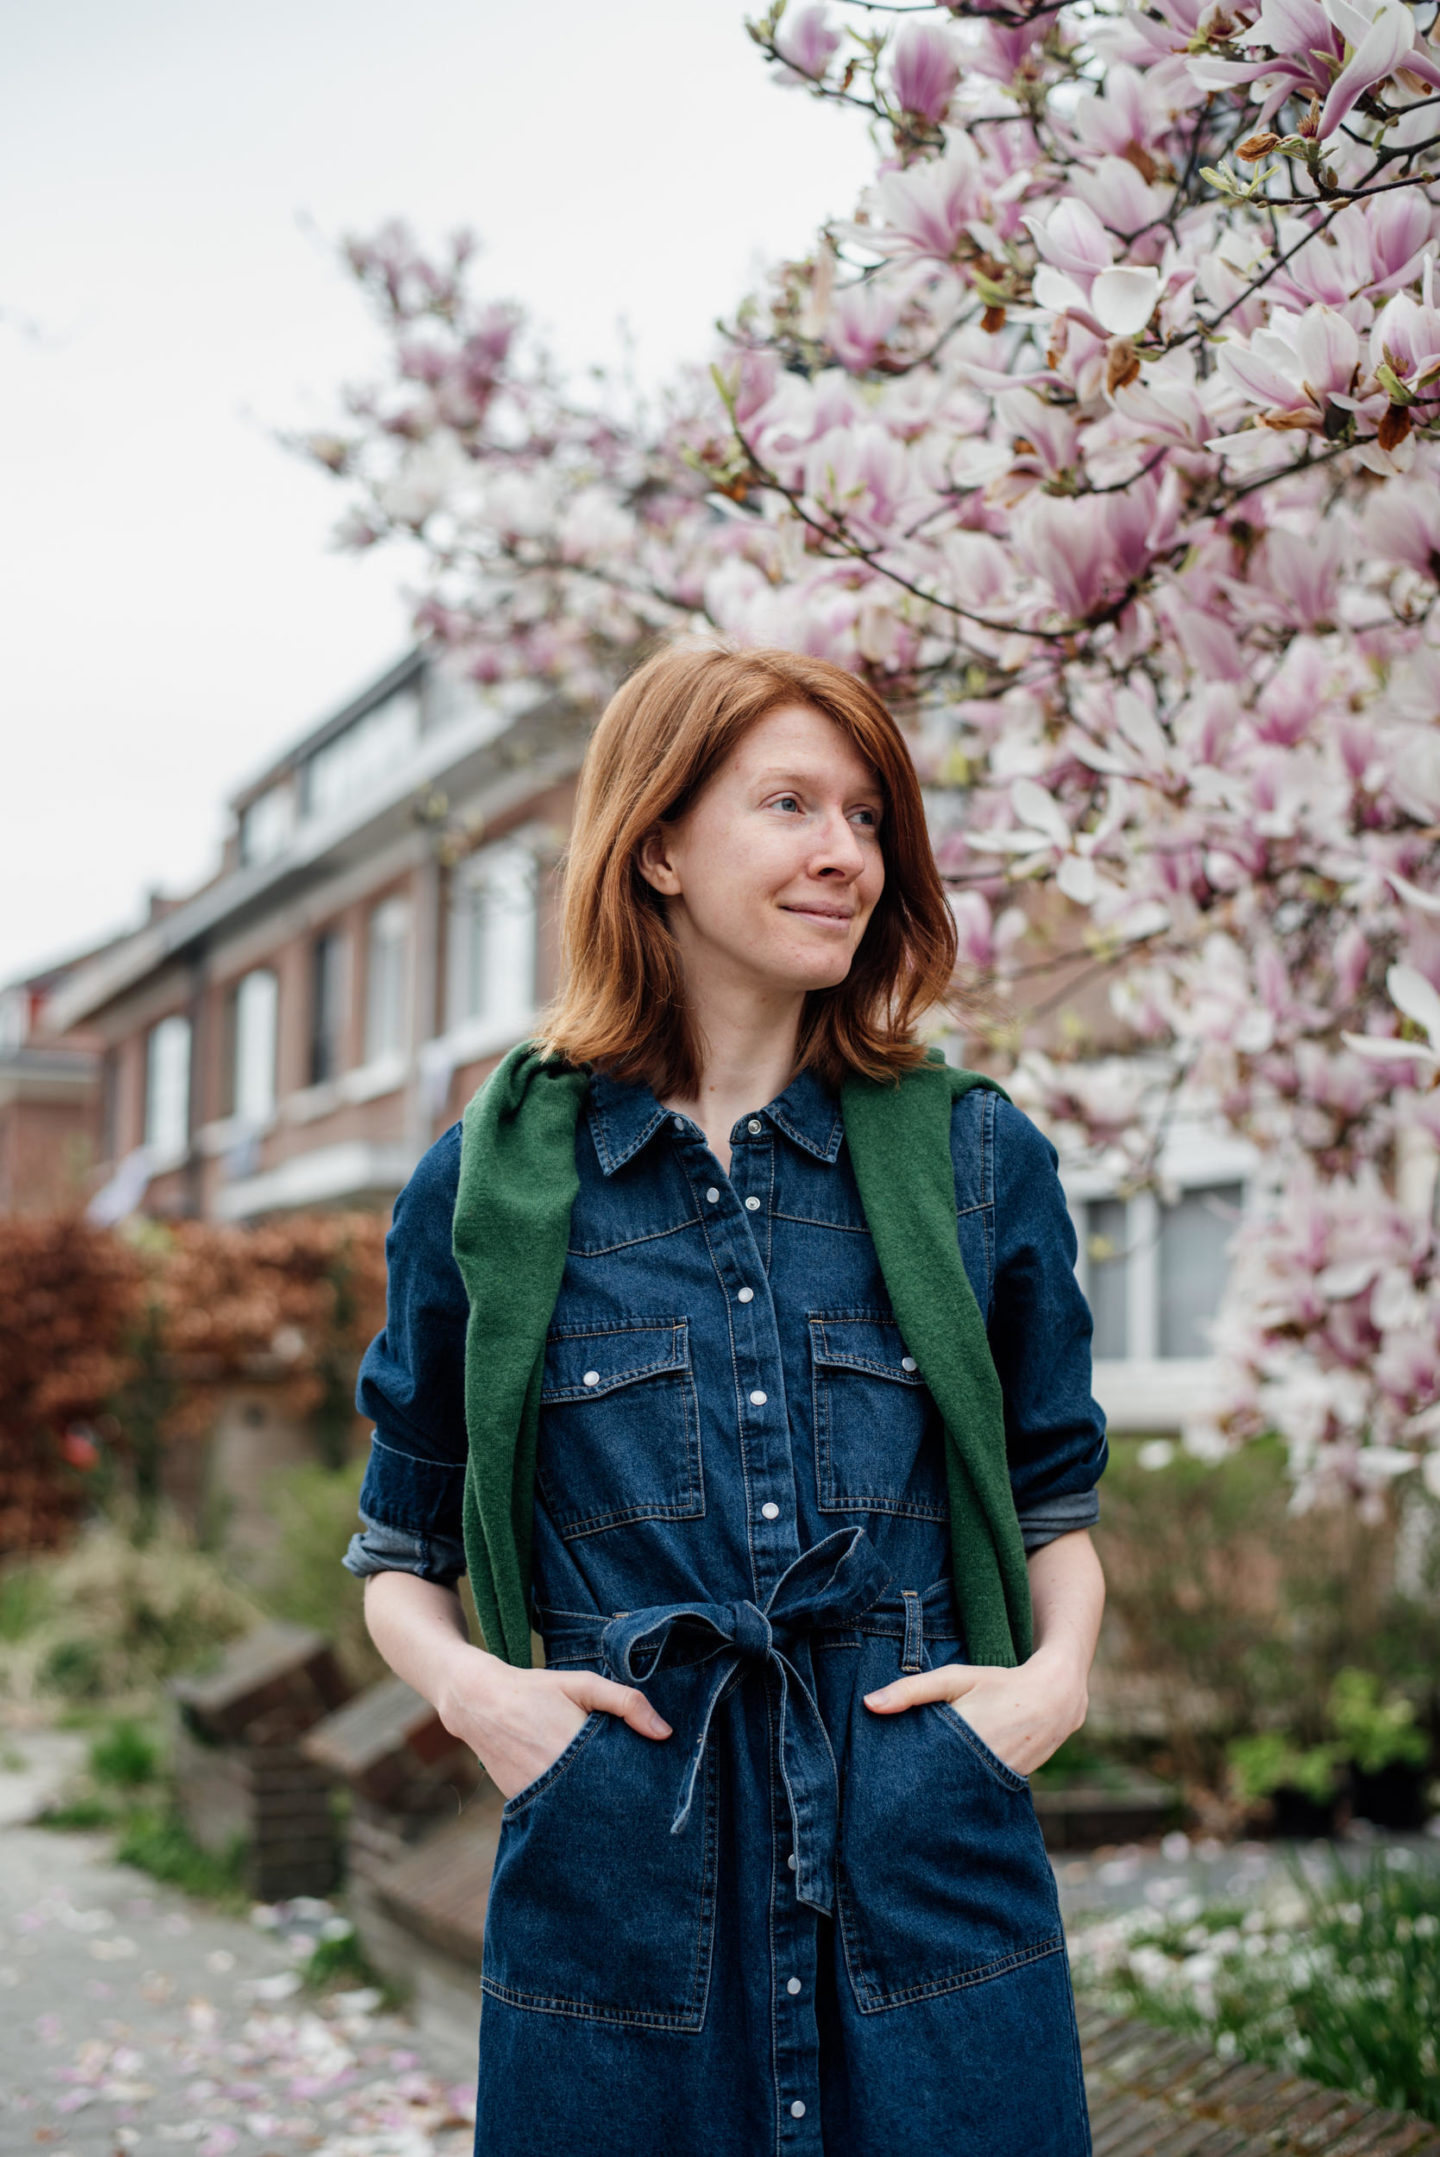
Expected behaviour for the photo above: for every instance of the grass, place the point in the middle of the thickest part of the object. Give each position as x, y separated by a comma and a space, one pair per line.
156, 1840
1337, 1979
125, 1755
340, 1963
124, 1789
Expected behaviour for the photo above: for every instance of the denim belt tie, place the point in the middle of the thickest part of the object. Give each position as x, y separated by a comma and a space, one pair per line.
832, 1583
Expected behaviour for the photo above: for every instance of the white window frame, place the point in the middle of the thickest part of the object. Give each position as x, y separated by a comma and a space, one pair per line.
1143, 1390
508, 872
389, 951
168, 1051
254, 1048
364, 756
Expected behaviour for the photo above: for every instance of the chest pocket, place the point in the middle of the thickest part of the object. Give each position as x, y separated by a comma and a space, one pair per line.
619, 1427
879, 1447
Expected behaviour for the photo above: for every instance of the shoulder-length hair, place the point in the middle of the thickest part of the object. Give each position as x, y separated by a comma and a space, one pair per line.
622, 1001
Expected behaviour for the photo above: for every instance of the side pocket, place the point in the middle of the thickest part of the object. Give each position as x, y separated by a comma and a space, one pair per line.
944, 1881
959, 1727
514, 1806
597, 1911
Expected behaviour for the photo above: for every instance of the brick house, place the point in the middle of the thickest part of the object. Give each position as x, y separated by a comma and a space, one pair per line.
380, 928
50, 1134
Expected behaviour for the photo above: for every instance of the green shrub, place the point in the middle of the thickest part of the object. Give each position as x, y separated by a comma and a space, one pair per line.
315, 1512
126, 1755
1269, 1761
1376, 1729
75, 1669
24, 1600
120, 1618
1235, 1615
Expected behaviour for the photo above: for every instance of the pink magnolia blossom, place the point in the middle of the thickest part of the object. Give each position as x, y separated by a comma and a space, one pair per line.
1114, 465
923, 71
807, 41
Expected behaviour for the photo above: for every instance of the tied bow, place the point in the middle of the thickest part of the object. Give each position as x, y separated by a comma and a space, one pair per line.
829, 1585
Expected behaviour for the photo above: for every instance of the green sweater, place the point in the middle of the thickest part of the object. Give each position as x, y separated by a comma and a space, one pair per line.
511, 1229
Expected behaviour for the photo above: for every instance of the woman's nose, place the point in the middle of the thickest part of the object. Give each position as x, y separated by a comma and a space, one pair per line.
840, 852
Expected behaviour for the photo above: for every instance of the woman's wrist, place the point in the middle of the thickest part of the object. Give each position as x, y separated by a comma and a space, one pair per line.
466, 1676
1065, 1674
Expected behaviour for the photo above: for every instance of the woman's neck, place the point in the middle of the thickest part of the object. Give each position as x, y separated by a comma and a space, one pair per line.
743, 1066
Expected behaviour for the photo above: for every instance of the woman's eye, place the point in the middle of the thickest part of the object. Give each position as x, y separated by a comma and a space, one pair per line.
787, 801
869, 818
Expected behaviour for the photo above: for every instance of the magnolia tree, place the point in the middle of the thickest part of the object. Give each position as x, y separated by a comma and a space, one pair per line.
1105, 439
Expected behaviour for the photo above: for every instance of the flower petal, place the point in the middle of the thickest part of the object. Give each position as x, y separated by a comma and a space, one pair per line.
1122, 300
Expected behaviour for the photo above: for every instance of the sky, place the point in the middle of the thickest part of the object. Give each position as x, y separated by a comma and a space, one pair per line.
174, 180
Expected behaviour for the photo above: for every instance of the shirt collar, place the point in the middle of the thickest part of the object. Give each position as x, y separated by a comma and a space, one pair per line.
625, 1115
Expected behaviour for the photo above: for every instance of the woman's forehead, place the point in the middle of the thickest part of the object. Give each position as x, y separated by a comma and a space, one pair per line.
798, 741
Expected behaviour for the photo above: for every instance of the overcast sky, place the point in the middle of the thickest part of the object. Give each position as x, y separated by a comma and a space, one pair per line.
171, 611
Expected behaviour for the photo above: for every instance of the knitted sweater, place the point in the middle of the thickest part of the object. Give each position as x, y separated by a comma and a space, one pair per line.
511, 1229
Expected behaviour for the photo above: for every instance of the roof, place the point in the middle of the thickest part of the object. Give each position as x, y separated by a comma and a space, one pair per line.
456, 757
404, 671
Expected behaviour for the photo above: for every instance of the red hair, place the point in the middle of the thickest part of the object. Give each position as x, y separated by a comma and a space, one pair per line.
661, 736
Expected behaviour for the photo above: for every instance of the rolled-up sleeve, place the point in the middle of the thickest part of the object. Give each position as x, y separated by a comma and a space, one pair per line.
411, 1385
1040, 1331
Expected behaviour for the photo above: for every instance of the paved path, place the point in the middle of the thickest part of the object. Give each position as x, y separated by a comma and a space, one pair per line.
133, 2021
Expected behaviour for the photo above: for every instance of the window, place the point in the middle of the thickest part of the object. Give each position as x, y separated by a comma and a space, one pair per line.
493, 937
1192, 1260
266, 825
167, 1087
367, 751
252, 1075
1154, 1275
14, 1020
387, 979
109, 1103
327, 1006
1105, 1236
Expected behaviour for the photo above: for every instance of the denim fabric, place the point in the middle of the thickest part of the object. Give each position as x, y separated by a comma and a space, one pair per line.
793, 1925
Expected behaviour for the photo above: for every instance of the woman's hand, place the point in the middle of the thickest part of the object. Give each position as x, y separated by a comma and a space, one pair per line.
1021, 1714
518, 1722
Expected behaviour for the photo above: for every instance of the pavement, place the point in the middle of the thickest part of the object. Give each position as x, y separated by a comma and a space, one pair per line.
135, 2020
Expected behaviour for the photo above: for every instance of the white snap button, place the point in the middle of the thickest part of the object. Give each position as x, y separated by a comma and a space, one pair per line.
754, 1125
752, 1205
797, 2110
679, 1123
712, 1194
771, 1511
908, 1363
592, 1378
790, 1860
792, 1986
758, 1399
746, 1295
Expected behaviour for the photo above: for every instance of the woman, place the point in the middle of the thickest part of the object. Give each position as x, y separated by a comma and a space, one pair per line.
805, 1540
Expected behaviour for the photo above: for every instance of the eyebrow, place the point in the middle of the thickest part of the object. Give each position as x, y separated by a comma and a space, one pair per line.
807, 778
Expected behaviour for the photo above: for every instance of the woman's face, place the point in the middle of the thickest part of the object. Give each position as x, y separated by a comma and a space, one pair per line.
772, 874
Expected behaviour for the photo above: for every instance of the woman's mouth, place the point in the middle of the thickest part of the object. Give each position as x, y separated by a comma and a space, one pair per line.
833, 917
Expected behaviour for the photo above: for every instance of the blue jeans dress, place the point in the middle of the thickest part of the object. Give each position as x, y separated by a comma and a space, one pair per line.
794, 1925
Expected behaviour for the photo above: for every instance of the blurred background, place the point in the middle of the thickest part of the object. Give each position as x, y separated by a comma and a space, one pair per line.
277, 887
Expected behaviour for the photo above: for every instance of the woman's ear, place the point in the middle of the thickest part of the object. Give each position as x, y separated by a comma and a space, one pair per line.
653, 858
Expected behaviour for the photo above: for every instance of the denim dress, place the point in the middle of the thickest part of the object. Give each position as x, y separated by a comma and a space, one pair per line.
794, 1925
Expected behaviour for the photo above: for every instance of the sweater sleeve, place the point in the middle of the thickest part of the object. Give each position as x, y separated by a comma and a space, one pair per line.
411, 1385
1039, 1328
